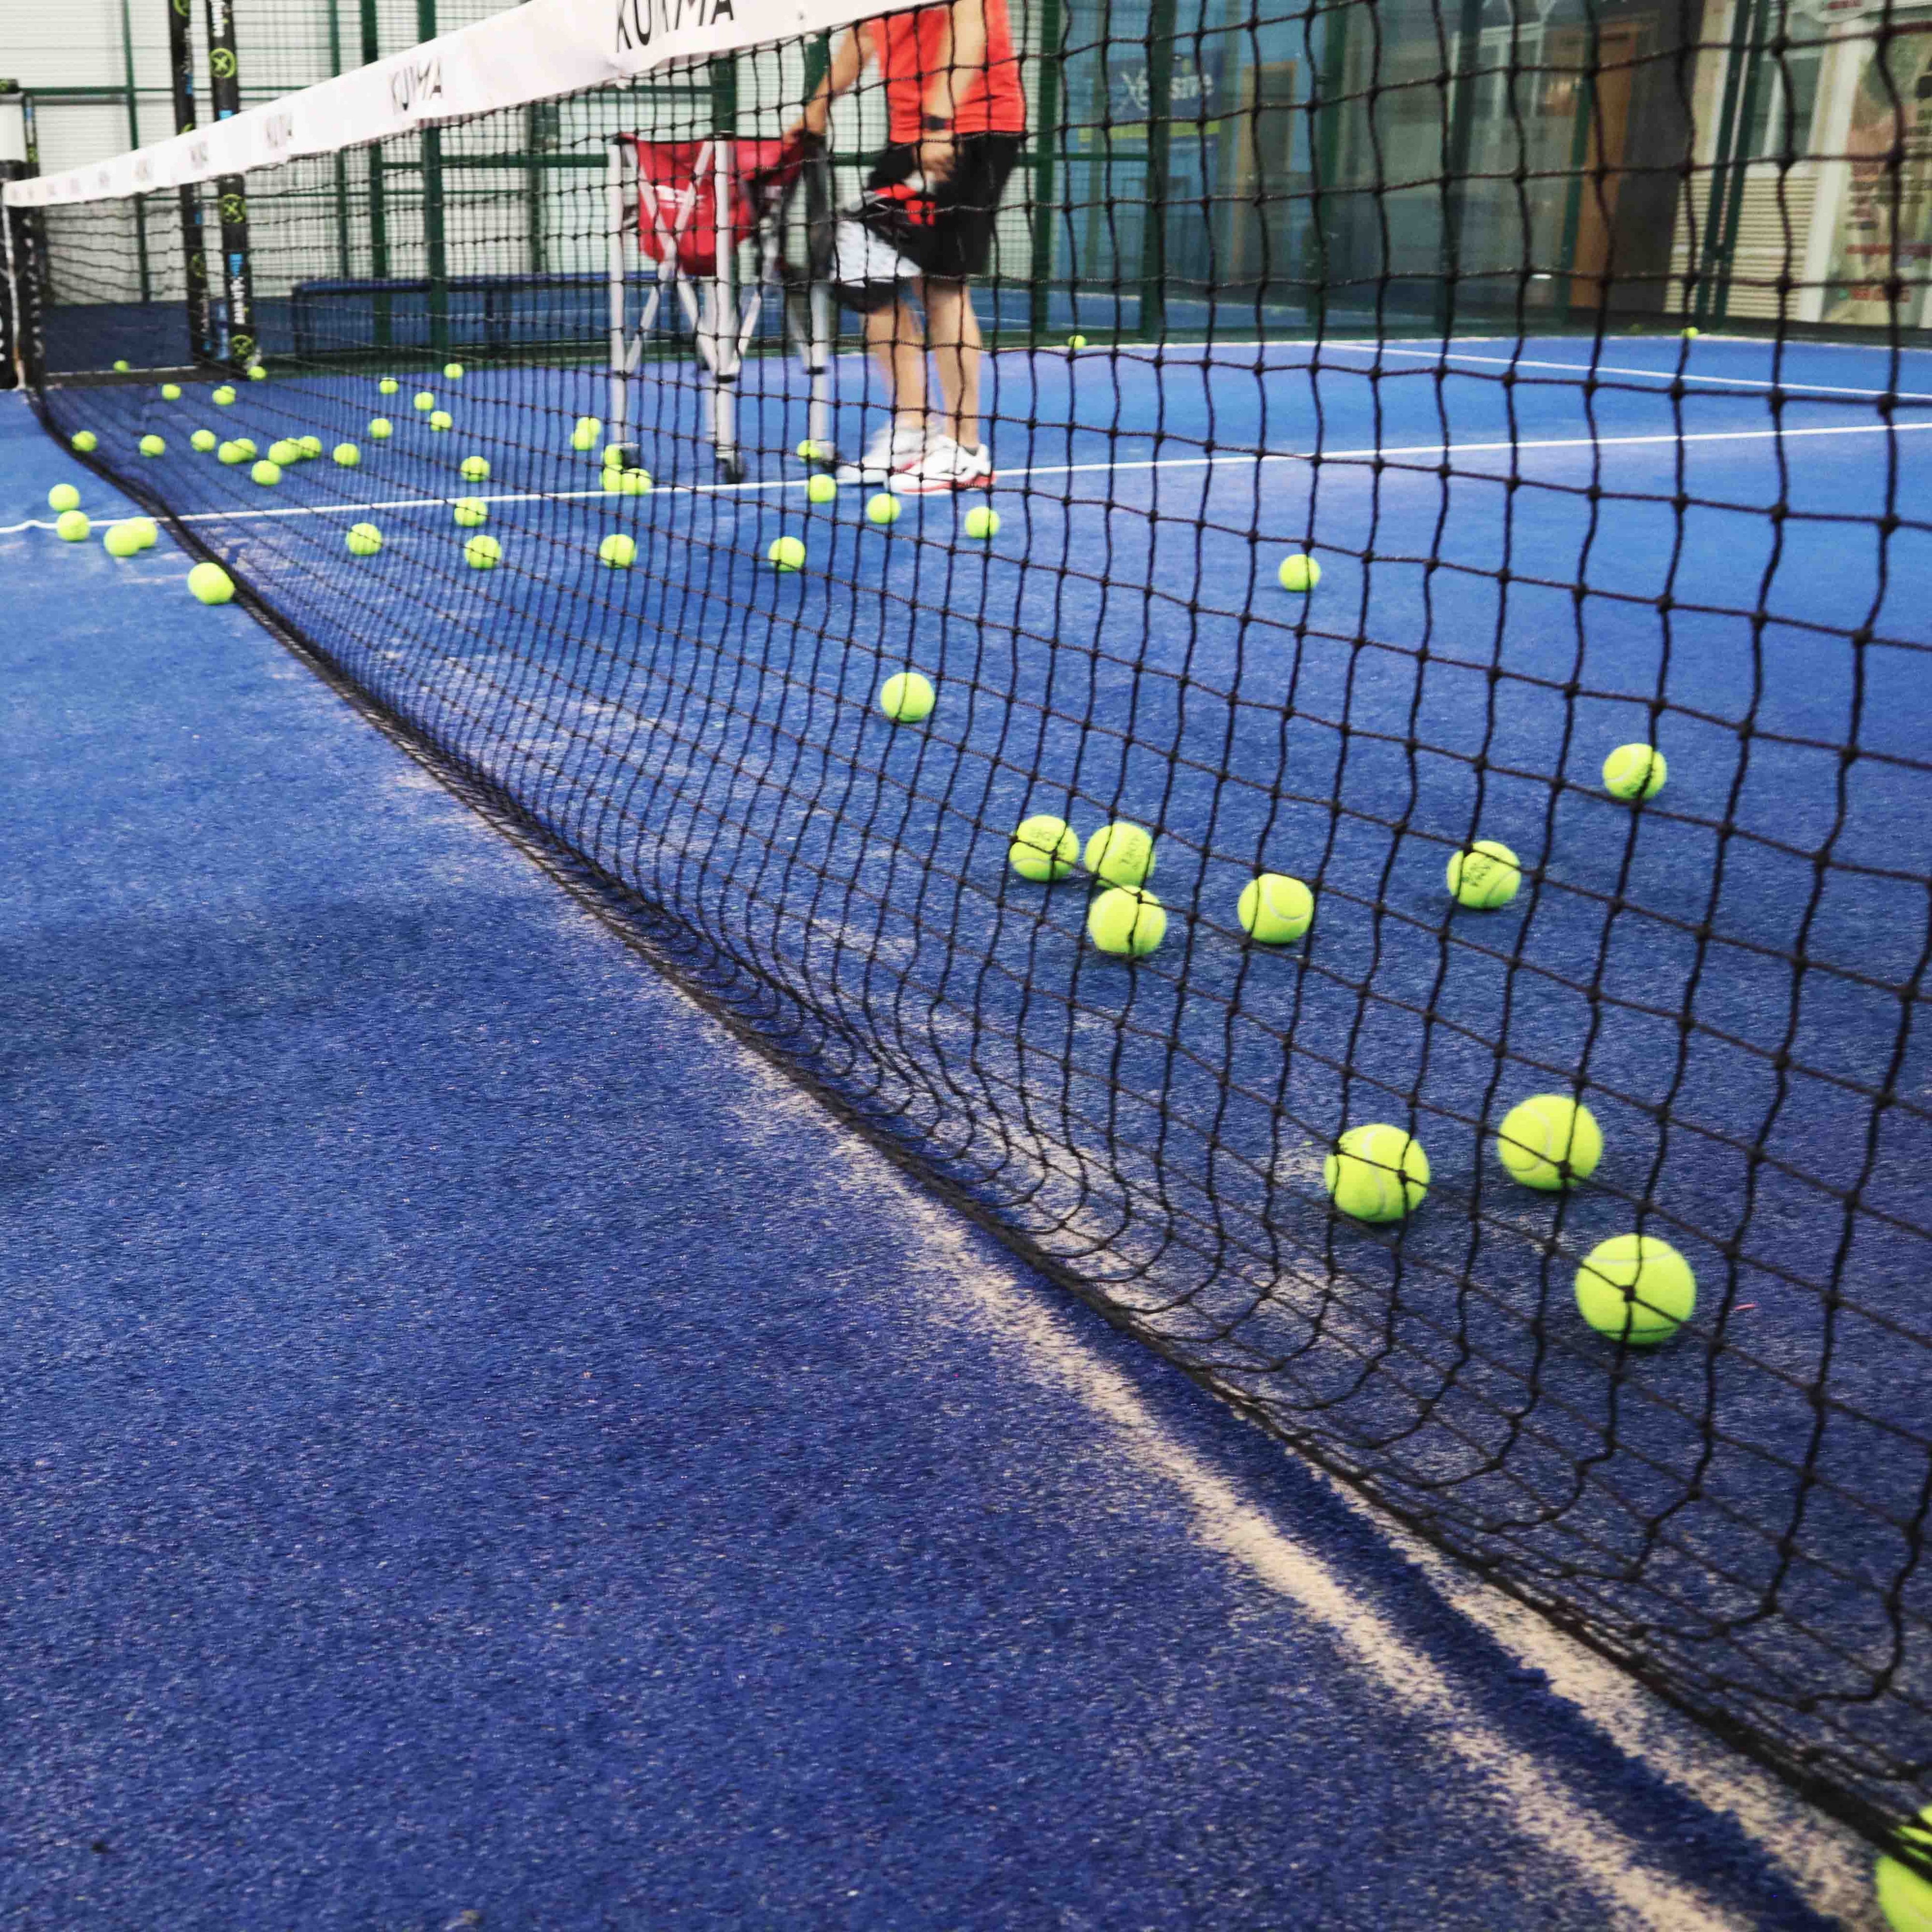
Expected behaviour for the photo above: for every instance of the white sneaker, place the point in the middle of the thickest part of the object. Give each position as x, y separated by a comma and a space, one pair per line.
895, 446
944, 467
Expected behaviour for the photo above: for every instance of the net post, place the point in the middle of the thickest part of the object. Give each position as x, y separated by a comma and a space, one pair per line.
381, 321
224, 88
723, 77
618, 407
1160, 122
436, 241
194, 240
1046, 157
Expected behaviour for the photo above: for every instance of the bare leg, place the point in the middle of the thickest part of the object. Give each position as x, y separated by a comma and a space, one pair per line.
898, 344
956, 346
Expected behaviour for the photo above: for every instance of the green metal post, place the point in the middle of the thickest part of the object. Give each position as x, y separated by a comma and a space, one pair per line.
134, 141
194, 239
1159, 137
1046, 157
435, 237
379, 210
1460, 133
534, 178
224, 93
342, 256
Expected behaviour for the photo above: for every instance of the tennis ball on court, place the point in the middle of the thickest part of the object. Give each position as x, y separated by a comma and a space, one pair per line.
230, 452
809, 451
452, 372
483, 553
72, 527
1275, 909
425, 400
1121, 854
267, 473
63, 496
84, 440
1044, 848
121, 540
170, 392
1485, 877
441, 419
476, 468
1377, 1173
347, 454
388, 386
614, 454
1550, 1142
1635, 1289
1903, 1896
256, 373
363, 540
146, 530
1126, 924
223, 397
285, 452
585, 434
618, 552
310, 447
1691, 335
1298, 572
907, 698
380, 427
211, 583
635, 482
1635, 771
203, 439
153, 446
821, 489
121, 367
982, 523
785, 553
470, 511
883, 509
1076, 342
245, 446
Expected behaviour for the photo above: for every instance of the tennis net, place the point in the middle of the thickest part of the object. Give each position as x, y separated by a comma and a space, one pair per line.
1580, 351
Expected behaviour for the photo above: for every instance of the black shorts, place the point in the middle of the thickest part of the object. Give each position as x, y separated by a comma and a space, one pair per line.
947, 235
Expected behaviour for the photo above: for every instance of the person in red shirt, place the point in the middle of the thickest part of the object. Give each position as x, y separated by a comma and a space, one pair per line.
924, 226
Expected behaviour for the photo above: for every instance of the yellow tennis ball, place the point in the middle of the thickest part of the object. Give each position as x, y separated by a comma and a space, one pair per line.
146, 530
619, 552
246, 447
153, 446
821, 489
907, 698
1044, 848
380, 427
453, 372
85, 441
1550, 1142
476, 468
1275, 909
256, 373
585, 432
122, 540
483, 553
72, 527
1128, 925
122, 366
883, 509
388, 386
1903, 1896
170, 392
635, 482
63, 496
809, 451
785, 553
441, 419
1298, 572
210, 584
1691, 335
1377, 1173
425, 400
347, 454
203, 439
1635, 1289
615, 455
1121, 854
364, 540
267, 472
285, 452
1485, 877
310, 447
982, 523
1076, 342
470, 511
223, 397
1635, 771
231, 453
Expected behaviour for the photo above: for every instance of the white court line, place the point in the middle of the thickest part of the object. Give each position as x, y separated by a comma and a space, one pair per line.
1255, 457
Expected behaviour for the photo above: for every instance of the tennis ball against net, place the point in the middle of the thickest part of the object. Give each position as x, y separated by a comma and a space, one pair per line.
1120, 854
267, 472
983, 523
1550, 1142
785, 553
121, 540
1377, 1173
231, 453
883, 509
1275, 909
153, 446
1635, 1289
483, 553
1484, 877
425, 400
453, 372
1904, 1898
310, 447
1298, 572
821, 489
72, 527
470, 511
146, 530
907, 698
380, 427
285, 451
364, 540
1044, 848
170, 392
347, 454
211, 583
620, 552
1128, 924
85, 441
1635, 771
203, 439
476, 468
441, 419
223, 397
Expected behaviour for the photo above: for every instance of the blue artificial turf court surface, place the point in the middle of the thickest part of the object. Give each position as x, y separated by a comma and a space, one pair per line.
482, 1441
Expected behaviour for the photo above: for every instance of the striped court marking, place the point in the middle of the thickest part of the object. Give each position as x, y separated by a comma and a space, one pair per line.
1257, 458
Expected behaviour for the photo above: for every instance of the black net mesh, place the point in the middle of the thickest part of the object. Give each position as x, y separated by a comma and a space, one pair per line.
1406, 291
